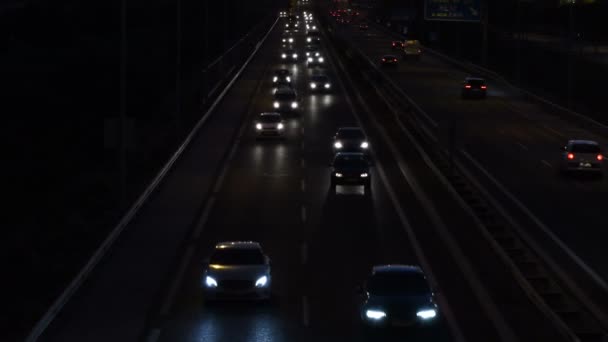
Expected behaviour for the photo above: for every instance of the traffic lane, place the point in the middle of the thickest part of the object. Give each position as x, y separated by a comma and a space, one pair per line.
256, 202
122, 287
481, 124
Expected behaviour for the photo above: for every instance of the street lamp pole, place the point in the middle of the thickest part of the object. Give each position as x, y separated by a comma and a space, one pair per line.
122, 136
570, 75
178, 67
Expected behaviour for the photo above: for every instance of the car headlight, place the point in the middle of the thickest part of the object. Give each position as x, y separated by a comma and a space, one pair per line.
314, 27
288, 79
327, 85
309, 59
258, 126
295, 55
274, 79
317, 54
307, 53
286, 25
375, 314
313, 86
364, 144
338, 144
427, 314
276, 104
321, 59
294, 105
364, 175
283, 56
291, 40
261, 282
308, 39
280, 126
338, 174
210, 282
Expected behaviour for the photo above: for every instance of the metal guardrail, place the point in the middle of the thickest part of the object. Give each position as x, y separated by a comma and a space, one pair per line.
107, 244
535, 274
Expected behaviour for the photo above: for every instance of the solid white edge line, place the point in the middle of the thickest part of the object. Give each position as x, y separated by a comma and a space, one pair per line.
69, 291
303, 253
524, 147
177, 281
546, 163
443, 302
303, 213
303, 185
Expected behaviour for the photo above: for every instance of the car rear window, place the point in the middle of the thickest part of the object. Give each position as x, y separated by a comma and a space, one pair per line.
397, 284
350, 161
319, 78
585, 148
233, 256
476, 82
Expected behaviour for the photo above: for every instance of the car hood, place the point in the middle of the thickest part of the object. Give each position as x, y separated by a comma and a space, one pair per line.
399, 305
238, 272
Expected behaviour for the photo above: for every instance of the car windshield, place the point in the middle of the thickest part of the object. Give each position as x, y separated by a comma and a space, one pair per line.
313, 34
282, 72
350, 134
397, 283
285, 96
319, 78
585, 148
270, 118
233, 256
350, 161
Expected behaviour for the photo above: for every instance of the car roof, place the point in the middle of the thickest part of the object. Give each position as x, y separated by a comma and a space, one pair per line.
270, 114
319, 76
282, 71
582, 142
349, 155
391, 56
285, 90
238, 245
471, 78
397, 268
341, 129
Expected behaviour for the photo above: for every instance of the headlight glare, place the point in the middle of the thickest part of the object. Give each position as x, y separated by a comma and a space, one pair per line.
283, 56
313, 86
427, 314
327, 85
295, 55
210, 282
276, 104
364, 175
288, 79
274, 79
294, 105
258, 126
280, 126
375, 314
338, 144
338, 174
321, 59
261, 282
364, 144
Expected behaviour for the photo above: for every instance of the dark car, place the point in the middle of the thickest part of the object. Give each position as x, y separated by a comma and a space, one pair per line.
350, 139
363, 26
397, 296
582, 156
474, 87
281, 77
397, 45
350, 168
320, 83
389, 60
285, 99
313, 36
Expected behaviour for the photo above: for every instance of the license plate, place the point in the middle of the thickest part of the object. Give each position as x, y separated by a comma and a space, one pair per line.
585, 164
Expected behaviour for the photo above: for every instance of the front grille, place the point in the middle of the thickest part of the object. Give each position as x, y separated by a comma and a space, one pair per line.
236, 285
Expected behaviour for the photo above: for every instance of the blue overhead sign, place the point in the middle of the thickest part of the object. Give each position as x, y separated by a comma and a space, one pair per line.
452, 10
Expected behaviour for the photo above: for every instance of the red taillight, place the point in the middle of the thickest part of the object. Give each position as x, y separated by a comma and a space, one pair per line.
483, 87
467, 86
394, 59
394, 44
600, 157
570, 156
384, 59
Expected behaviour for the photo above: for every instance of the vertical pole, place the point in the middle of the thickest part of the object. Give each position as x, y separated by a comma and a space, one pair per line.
122, 148
570, 80
484, 32
178, 67
519, 36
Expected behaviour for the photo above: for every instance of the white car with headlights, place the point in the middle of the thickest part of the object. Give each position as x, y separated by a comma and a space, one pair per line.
313, 36
350, 139
289, 55
315, 60
397, 296
312, 51
285, 99
287, 39
281, 77
237, 269
320, 83
269, 124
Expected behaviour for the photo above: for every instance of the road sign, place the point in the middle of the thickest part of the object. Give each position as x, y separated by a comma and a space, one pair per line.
452, 10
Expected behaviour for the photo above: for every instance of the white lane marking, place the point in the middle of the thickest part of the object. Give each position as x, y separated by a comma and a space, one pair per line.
546, 163
302, 130
302, 163
303, 185
154, 335
303, 213
305, 312
455, 330
177, 281
554, 131
203, 220
302, 145
522, 145
304, 253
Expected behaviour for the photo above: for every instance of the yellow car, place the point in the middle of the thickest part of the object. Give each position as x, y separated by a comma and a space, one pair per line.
412, 48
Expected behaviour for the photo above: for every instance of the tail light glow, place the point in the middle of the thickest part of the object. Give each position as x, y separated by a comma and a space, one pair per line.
483, 87
570, 156
600, 157
468, 86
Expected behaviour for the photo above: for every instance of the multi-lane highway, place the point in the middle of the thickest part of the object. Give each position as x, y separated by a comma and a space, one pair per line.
228, 185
